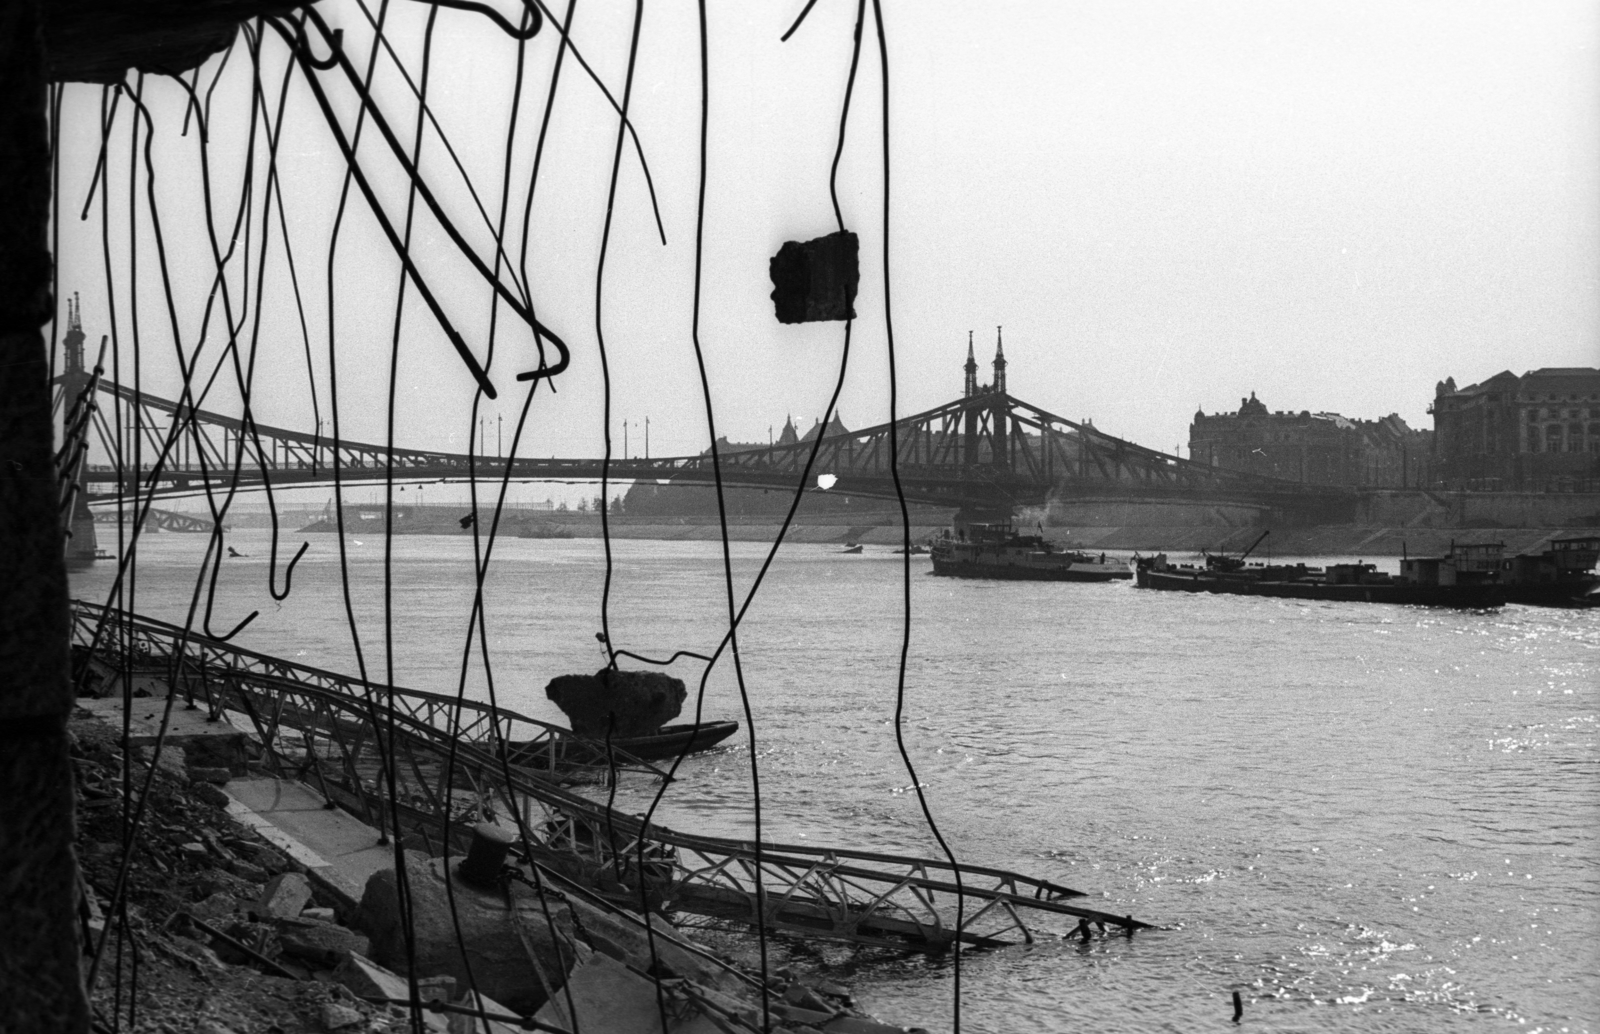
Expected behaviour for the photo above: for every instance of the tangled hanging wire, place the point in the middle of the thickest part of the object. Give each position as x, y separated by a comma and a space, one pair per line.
336, 77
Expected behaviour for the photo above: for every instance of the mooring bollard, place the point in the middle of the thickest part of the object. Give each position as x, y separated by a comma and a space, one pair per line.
1238, 1007
490, 845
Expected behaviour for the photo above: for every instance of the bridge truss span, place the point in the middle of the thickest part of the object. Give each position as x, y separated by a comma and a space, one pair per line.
985, 452
440, 764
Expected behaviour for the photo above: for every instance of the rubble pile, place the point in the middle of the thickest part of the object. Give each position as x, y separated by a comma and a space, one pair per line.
220, 932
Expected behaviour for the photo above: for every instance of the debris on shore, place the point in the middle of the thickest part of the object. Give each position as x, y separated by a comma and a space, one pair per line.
219, 931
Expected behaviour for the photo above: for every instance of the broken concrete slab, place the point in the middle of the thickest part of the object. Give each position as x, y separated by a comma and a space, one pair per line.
189, 732
283, 896
319, 943
336, 1016
463, 1024
628, 942
366, 979
608, 998
337, 850
455, 926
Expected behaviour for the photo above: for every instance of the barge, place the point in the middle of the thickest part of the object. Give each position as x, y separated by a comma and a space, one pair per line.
1468, 577
1561, 576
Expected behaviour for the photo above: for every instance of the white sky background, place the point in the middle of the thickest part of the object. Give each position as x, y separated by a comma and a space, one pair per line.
1167, 204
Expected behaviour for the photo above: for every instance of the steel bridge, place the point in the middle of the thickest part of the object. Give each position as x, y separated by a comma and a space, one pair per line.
986, 452
449, 767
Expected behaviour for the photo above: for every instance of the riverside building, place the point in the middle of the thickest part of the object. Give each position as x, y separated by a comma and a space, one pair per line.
1313, 448
1537, 432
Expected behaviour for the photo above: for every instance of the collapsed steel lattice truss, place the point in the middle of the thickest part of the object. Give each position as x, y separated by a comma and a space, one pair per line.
984, 451
349, 739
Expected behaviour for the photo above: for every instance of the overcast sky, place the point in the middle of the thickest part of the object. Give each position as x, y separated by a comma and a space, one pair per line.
1167, 205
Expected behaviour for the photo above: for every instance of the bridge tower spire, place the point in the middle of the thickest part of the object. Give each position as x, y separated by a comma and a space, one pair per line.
74, 337
971, 388
999, 412
999, 363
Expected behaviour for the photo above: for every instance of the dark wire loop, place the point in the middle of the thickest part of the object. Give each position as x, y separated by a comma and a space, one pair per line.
522, 311
288, 572
495, 16
303, 47
211, 596
659, 664
296, 41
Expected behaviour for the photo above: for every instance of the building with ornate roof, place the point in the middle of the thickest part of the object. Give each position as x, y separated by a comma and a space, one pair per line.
1536, 432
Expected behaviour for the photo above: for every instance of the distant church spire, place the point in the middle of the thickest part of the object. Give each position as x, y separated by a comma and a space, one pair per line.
999, 363
971, 388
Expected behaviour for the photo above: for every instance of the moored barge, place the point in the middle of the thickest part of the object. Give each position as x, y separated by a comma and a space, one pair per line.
1561, 576
1467, 578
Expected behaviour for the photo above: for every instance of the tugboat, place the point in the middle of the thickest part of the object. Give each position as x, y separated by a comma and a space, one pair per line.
997, 551
1468, 577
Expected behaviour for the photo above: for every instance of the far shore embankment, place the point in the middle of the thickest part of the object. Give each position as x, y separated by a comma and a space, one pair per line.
884, 529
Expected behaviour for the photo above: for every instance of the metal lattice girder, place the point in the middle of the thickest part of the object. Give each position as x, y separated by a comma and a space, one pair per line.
984, 450
387, 753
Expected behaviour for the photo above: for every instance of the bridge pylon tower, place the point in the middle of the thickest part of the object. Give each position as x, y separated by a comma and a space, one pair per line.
77, 399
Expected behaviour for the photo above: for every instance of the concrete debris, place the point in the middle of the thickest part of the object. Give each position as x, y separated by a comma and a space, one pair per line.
463, 1024
803, 997
248, 871
284, 896
201, 774
623, 703
608, 998
439, 907
366, 979
215, 900
264, 855
627, 942
317, 942
337, 1017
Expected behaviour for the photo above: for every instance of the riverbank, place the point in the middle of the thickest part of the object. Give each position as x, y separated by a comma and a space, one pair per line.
254, 905
886, 530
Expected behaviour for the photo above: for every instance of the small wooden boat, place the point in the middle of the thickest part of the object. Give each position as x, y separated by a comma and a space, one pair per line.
673, 740
570, 749
854, 547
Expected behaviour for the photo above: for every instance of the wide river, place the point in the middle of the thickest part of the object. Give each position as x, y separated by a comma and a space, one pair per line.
1362, 817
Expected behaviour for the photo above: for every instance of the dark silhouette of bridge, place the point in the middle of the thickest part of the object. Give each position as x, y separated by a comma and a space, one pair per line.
987, 452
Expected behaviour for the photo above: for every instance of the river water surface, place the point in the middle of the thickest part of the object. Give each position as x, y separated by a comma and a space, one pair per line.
1362, 817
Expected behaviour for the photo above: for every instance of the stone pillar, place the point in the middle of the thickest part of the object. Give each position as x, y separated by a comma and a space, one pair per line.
40, 985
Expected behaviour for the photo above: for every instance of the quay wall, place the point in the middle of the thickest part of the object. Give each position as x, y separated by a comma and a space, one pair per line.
1388, 523
1479, 509
1329, 540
